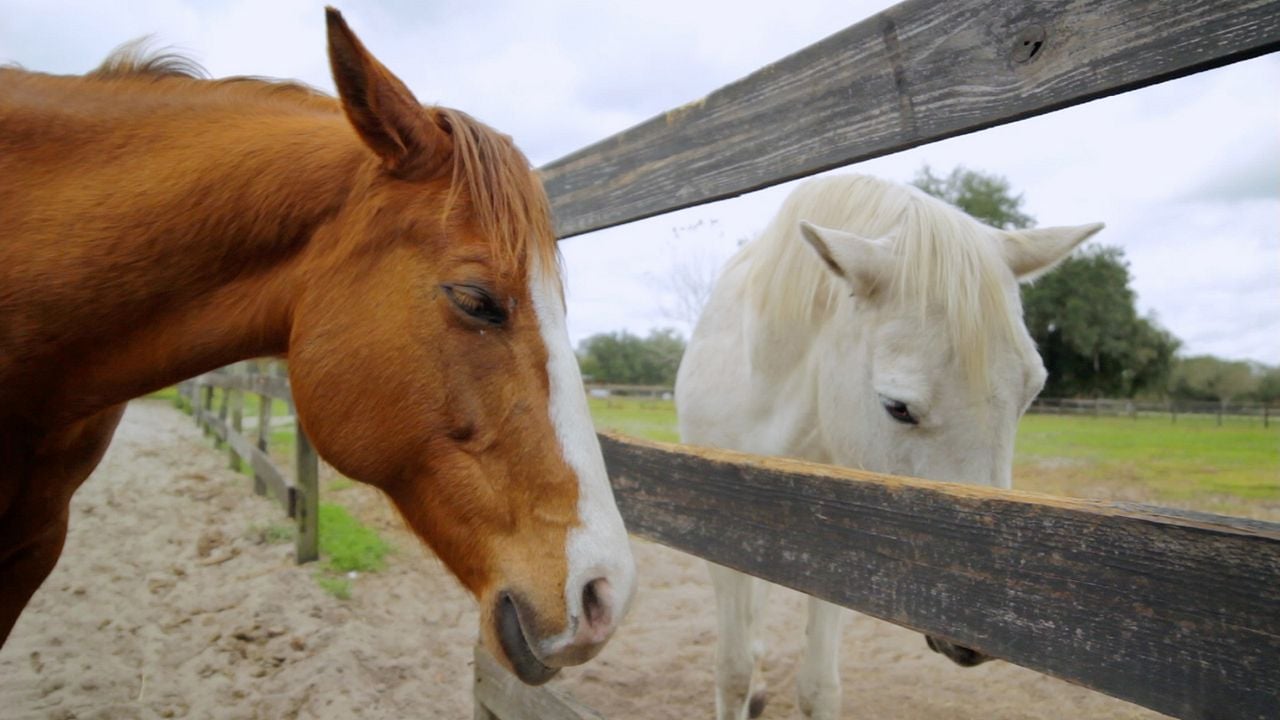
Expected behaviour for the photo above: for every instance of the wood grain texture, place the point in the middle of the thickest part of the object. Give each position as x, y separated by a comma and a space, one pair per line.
307, 506
300, 497
274, 483
501, 696
269, 385
1174, 611
915, 73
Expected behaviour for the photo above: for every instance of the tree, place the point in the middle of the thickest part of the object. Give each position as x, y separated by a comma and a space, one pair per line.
627, 359
1268, 390
1083, 318
986, 197
689, 284
686, 287
1082, 314
1205, 377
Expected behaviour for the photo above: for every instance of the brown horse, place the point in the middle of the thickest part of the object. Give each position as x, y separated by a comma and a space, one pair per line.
154, 225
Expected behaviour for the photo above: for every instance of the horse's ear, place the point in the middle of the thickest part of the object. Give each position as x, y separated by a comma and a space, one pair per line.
1031, 253
863, 263
383, 111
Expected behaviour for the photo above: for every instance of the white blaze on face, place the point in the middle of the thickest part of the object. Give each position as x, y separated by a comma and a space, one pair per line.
598, 547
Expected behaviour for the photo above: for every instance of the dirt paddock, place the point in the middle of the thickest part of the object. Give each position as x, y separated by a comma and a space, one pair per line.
170, 601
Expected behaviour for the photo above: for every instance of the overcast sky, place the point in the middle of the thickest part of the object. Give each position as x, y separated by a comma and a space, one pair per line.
1186, 174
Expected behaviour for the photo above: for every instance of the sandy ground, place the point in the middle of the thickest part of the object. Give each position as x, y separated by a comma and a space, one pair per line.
170, 602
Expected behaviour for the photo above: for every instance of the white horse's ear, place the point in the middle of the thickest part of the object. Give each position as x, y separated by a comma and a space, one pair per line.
862, 262
1033, 252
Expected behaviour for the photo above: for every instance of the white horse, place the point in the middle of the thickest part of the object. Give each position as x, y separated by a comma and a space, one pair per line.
891, 340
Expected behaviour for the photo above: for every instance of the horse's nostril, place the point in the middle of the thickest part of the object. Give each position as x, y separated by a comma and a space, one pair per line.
597, 597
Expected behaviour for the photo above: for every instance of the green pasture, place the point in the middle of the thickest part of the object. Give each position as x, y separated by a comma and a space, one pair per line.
1191, 463
647, 418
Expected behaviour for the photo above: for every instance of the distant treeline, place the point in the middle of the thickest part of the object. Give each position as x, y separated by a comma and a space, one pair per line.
1082, 315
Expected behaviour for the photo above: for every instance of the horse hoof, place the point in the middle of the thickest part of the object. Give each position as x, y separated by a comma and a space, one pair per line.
756, 707
958, 654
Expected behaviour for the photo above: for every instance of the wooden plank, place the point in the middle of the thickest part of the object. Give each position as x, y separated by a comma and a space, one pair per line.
307, 473
278, 487
264, 433
274, 483
207, 406
1177, 612
222, 416
501, 696
213, 427
237, 426
915, 73
270, 385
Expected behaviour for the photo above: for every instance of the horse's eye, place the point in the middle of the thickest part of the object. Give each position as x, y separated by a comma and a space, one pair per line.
476, 302
899, 411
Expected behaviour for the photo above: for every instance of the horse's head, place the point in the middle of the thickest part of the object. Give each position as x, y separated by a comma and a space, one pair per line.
429, 357
931, 365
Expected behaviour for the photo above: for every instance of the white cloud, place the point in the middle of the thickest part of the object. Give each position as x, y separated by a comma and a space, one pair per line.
1186, 174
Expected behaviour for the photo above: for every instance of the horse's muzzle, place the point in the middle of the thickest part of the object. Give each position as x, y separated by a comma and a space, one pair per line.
959, 654
537, 660
526, 665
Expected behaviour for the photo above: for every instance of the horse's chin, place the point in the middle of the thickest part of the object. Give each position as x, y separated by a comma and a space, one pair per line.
515, 645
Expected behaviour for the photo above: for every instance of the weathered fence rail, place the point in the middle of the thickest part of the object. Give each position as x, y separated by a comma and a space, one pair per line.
297, 492
1257, 412
1178, 612
918, 72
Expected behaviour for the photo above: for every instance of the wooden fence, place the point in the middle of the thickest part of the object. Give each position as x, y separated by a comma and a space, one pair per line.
1098, 407
1179, 612
297, 492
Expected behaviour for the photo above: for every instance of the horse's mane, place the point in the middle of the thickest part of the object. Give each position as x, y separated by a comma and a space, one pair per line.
507, 198
947, 262
138, 58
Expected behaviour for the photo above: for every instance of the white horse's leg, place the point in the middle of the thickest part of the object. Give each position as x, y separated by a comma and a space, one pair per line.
740, 603
818, 684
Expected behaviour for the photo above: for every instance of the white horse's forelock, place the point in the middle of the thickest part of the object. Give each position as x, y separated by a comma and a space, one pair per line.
948, 263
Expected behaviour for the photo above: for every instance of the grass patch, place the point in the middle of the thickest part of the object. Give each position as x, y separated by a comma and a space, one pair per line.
348, 547
283, 441
339, 484
170, 393
348, 544
338, 587
273, 534
1193, 463
641, 417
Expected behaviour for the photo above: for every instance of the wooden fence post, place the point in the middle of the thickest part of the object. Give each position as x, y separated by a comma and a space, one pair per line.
207, 406
265, 405
500, 696
307, 481
222, 416
308, 506
237, 426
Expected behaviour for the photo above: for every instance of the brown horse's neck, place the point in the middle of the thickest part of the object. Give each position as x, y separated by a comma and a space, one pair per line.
160, 244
